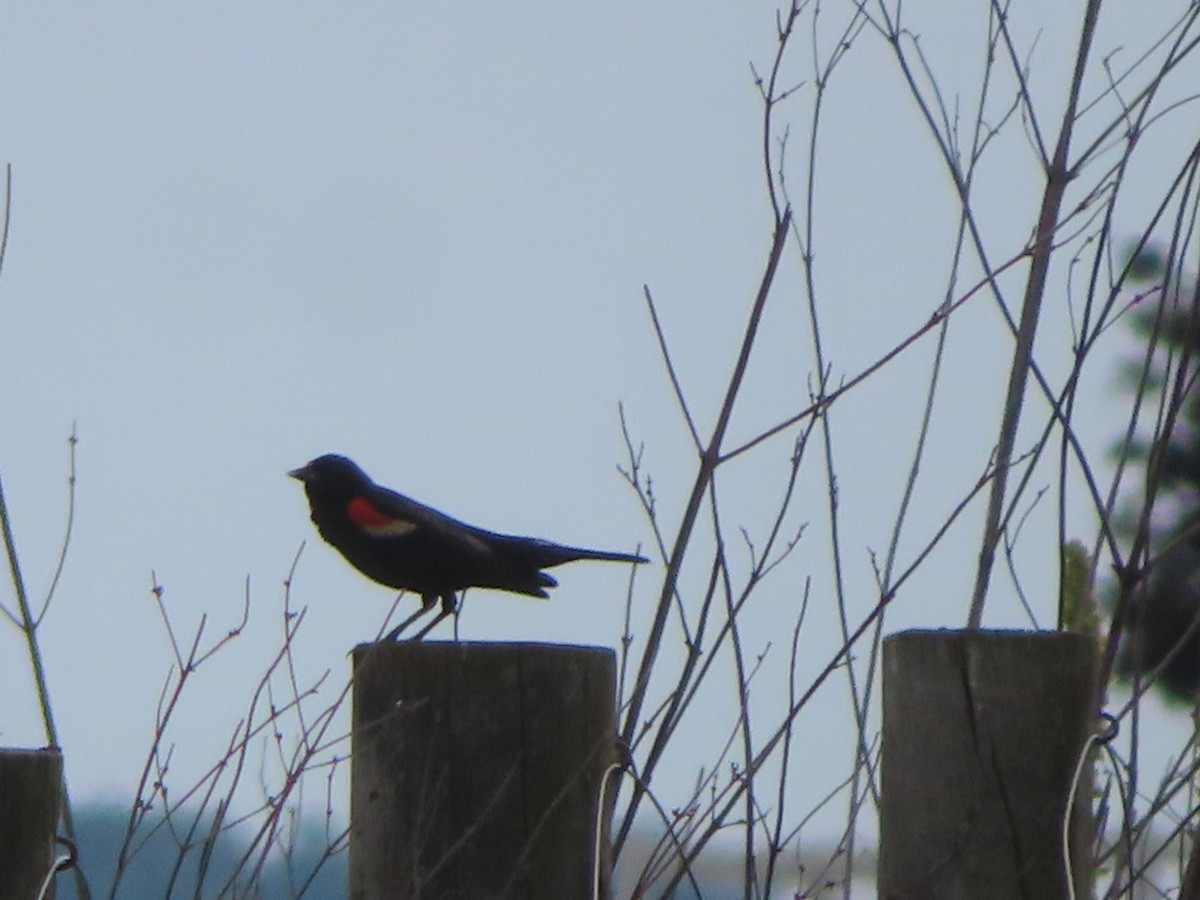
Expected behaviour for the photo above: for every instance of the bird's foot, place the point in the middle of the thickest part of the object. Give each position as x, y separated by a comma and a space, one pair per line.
427, 602
449, 608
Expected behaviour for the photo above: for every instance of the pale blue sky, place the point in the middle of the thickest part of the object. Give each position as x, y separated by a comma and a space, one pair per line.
247, 234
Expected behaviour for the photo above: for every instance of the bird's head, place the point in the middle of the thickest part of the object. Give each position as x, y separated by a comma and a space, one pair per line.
332, 475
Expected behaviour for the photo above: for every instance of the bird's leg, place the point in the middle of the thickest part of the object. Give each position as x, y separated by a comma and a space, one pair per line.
427, 601
449, 608
458, 612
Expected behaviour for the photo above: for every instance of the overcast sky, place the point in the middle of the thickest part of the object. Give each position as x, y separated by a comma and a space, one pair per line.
246, 234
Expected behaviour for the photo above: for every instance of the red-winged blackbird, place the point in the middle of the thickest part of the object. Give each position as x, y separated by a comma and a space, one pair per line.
409, 546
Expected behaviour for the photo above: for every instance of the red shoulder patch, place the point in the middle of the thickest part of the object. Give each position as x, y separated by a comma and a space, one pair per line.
371, 520
364, 515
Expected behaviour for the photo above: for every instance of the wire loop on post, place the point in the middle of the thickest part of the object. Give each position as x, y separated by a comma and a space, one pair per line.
61, 864
1097, 738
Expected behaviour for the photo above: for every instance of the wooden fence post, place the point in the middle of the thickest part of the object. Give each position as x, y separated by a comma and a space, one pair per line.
982, 731
30, 803
477, 769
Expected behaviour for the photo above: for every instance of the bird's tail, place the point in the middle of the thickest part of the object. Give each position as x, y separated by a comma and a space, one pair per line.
558, 553
542, 554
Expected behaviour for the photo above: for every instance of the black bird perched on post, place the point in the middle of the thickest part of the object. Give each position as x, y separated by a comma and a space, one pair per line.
406, 545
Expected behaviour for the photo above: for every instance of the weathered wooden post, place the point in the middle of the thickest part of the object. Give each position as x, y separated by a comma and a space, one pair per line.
30, 804
982, 731
477, 770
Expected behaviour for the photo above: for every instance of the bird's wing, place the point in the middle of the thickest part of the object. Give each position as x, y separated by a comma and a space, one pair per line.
385, 513
388, 514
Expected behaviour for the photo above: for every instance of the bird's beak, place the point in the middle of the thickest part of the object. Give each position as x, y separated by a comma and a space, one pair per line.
300, 474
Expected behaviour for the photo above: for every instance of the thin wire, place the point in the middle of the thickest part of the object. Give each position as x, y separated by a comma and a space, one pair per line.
1095, 738
61, 864
599, 838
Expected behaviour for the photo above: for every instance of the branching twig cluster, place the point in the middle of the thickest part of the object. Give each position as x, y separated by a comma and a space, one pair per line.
286, 722
1066, 260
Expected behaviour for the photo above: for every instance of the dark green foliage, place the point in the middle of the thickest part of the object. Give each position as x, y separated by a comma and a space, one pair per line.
1160, 634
